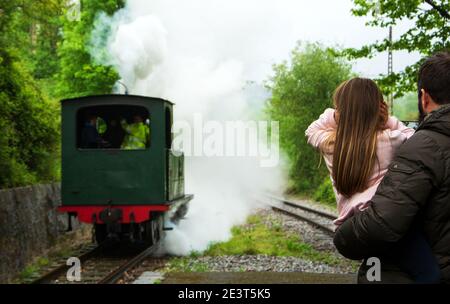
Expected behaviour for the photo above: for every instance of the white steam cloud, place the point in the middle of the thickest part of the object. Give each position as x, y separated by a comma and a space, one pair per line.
196, 54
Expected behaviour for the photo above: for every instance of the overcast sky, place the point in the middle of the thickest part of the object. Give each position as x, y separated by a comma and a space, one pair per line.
259, 33
331, 22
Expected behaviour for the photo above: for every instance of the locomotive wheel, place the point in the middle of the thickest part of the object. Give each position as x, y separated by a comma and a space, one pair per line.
100, 233
155, 236
153, 229
149, 232
160, 227
157, 228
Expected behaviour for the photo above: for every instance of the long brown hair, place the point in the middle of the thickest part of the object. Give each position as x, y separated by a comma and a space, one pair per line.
359, 103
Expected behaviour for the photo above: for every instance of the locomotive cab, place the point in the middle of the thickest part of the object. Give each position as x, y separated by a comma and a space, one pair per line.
123, 189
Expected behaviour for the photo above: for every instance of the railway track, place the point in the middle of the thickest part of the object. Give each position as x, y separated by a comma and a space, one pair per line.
319, 219
100, 265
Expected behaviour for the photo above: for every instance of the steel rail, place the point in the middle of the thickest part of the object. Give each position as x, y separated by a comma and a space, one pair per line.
60, 270
111, 277
324, 228
305, 209
114, 276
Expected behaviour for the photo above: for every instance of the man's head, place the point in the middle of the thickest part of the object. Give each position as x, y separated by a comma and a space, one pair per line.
91, 119
137, 118
434, 83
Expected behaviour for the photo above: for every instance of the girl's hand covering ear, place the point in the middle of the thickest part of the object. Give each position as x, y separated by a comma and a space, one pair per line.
384, 114
336, 116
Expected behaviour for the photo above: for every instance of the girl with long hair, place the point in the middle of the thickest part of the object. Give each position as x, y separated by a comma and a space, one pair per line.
358, 140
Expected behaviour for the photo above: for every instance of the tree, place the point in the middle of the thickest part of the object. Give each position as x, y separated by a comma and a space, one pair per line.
429, 34
79, 75
43, 50
32, 29
36, 29
406, 107
301, 90
30, 34
28, 121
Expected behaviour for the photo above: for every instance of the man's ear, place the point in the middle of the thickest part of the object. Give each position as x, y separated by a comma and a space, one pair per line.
425, 100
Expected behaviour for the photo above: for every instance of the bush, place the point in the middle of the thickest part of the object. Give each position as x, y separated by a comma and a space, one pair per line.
325, 193
301, 90
30, 128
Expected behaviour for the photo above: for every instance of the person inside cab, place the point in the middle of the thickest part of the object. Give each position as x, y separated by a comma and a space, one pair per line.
137, 134
114, 133
90, 138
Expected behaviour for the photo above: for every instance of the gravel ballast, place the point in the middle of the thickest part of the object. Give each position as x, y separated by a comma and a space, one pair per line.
308, 234
263, 263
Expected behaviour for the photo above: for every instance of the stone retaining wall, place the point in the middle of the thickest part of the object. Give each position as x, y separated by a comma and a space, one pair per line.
29, 225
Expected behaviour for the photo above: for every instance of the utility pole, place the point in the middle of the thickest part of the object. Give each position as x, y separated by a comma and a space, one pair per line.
390, 71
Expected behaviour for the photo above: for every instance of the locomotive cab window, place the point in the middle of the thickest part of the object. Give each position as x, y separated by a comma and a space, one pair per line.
113, 127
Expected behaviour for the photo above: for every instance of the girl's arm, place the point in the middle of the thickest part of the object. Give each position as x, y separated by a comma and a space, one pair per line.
319, 130
398, 128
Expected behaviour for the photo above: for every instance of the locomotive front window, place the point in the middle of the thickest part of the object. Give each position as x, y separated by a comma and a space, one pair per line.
113, 127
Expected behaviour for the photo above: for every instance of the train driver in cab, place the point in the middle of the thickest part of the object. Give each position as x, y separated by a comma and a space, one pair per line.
114, 134
137, 134
90, 138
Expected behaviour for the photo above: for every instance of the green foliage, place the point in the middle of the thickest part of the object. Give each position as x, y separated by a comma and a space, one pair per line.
430, 33
32, 270
301, 90
43, 54
29, 272
33, 30
44, 58
259, 236
325, 193
79, 75
406, 108
256, 237
186, 264
28, 145
29, 124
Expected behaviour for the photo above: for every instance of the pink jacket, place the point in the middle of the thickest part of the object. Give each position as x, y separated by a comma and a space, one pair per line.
388, 141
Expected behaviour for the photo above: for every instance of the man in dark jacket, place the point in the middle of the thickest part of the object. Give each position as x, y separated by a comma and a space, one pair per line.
415, 193
90, 139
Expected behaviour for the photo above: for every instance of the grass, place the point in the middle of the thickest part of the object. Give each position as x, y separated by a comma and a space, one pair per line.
186, 264
256, 237
64, 247
33, 269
